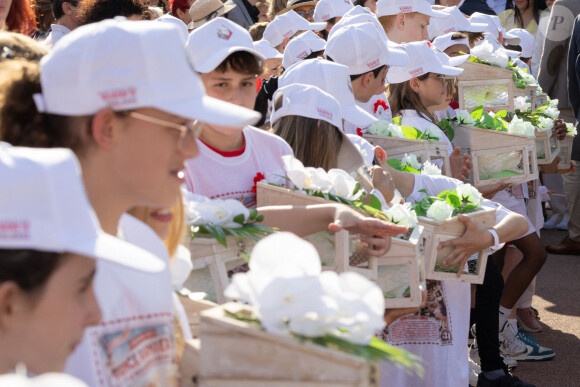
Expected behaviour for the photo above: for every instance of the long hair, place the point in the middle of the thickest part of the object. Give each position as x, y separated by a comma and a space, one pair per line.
315, 143
21, 17
401, 97
537, 6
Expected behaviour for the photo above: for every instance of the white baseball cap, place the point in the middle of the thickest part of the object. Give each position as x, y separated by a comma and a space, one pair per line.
301, 46
449, 60
45, 207
422, 60
167, 18
332, 78
507, 37
361, 49
287, 25
394, 7
454, 22
268, 52
327, 9
202, 11
494, 26
359, 15
497, 46
443, 42
125, 65
309, 101
210, 44
526, 41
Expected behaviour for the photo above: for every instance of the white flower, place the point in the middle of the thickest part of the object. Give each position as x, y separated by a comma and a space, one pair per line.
487, 53
571, 129
396, 131
527, 78
551, 112
217, 212
469, 195
521, 127
464, 117
379, 128
430, 169
402, 215
411, 160
521, 104
343, 184
545, 124
306, 177
440, 211
553, 103
433, 131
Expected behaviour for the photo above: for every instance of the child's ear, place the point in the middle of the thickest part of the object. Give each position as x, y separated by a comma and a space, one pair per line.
400, 21
414, 84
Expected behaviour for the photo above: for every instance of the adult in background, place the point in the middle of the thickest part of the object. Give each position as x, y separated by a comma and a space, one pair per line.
523, 14
571, 244
17, 16
245, 12
66, 16
180, 9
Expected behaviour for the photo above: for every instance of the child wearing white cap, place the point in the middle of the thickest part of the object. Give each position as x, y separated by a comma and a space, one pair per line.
132, 124
406, 21
454, 22
307, 45
284, 27
330, 12
48, 235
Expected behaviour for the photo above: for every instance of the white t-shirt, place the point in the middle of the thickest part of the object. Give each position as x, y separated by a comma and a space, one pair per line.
411, 118
134, 343
438, 334
378, 106
218, 177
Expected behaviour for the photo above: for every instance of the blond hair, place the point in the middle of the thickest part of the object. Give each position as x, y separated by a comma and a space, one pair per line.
275, 7
257, 31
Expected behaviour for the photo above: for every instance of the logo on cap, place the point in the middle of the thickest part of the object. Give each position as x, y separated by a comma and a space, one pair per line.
452, 29
324, 113
416, 71
304, 54
289, 33
14, 229
373, 64
406, 9
224, 33
119, 96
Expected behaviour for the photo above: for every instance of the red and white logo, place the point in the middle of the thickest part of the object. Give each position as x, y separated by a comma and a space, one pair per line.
374, 64
406, 9
304, 54
325, 113
288, 34
416, 72
224, 33
452, 29
119, 96
14, 229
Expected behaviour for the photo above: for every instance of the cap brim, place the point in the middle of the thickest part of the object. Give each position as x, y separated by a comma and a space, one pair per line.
115, 250
210, 63
512, 53
457, 60
477, 27
436, 14
512, 39
449, 70
397, 56
212, 111
357, 116
316, 26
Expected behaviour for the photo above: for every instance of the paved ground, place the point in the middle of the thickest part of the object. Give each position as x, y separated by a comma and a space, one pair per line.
558, 301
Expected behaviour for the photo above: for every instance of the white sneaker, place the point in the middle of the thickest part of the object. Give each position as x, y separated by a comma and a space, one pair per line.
474, 371
474, 356
563, 225
520, 347
552, 222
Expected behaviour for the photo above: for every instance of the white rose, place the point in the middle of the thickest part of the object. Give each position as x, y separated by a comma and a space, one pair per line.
554, 103
430, 169
521, 127
411, 160
571, 128
217, 212
433, 131
396, 131
402, 215
521, 104
552, 112
440, 211
306, 177
379, 128
343, 184
545, 124
469, 195
485, 51
464, 117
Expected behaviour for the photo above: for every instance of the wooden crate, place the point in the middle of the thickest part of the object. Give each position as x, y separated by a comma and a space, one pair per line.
236, 353
269, 195
437, 232
396, 148
189, 367
402, 267
212, 262
483, 144
477, 76
547, 146
565, 152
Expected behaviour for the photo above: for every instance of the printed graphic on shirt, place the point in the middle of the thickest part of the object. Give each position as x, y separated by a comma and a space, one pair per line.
432, 325
142, 356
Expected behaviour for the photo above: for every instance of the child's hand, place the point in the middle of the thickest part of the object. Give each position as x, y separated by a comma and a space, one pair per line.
460, 165
473, 240
383, 182
489, 191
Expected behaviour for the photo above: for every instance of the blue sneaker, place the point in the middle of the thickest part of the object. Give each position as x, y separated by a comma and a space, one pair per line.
520, 346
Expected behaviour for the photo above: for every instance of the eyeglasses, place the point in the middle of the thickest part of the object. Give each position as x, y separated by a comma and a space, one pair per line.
440, 77
191, 130
305, 14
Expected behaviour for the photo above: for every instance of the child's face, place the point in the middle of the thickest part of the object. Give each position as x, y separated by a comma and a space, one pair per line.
457, 50
432, 90
415, 27
271, 67
231, 86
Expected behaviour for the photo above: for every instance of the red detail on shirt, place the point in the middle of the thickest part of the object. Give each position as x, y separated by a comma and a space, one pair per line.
259, 84
235, 153
359, 132
454, 105
382, 103
259, 177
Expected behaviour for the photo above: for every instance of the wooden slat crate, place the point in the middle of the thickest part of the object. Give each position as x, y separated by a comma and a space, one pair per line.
506, 150
236, 353
396, 148
547, 146
437, 232
479, 77
565, 152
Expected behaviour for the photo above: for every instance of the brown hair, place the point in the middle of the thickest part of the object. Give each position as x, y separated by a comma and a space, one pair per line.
401, 97
17, 46
92, 11
29, 269
275, 7
242, 62
20, 122
257, 31
474, 37
315, 142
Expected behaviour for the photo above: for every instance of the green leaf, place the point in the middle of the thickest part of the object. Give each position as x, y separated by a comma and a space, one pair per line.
501, 114
411, 133
375, 203
239, 219
260, 218
253, 214
395, 164
453, 200
476, 113
443, 194
356, 189
397, 120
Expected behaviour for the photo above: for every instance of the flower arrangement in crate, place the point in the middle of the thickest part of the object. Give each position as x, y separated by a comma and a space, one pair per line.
221, 232
438, 215
394, 129
566, 148
502, 145
410, 163
286, 294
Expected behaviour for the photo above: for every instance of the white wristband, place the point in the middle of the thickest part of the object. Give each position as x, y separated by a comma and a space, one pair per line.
495, 238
